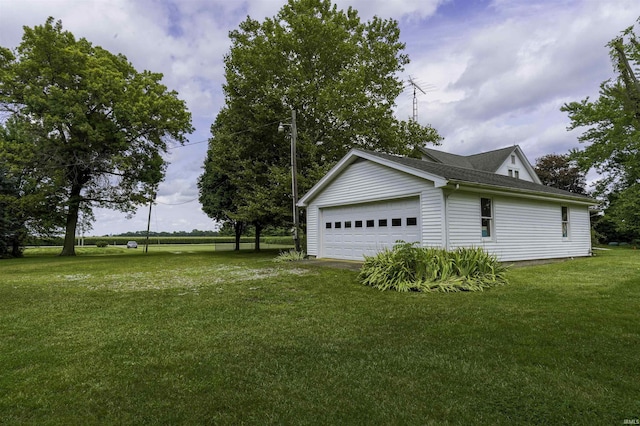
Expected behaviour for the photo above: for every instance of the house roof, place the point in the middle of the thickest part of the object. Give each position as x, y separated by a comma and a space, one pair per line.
488, 161
443, 174
463, 175
446, 158
492, 160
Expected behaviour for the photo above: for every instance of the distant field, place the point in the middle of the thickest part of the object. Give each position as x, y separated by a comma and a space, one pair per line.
153, 248
121, 241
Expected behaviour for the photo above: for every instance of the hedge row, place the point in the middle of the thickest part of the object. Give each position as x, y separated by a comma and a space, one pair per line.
120, 241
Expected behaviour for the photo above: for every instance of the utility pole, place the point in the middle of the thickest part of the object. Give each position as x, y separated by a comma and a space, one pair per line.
294, 176
146, 243
294, 180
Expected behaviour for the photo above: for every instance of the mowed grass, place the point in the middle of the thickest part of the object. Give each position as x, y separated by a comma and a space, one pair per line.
202, 337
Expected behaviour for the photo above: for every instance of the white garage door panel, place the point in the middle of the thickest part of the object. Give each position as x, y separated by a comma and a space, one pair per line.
351, 236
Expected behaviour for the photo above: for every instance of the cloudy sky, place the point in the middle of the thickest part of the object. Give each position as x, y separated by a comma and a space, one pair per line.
497, 71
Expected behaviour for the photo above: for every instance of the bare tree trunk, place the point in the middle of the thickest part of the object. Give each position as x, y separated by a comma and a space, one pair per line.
258, 230
69, 248
238, 227
16, 246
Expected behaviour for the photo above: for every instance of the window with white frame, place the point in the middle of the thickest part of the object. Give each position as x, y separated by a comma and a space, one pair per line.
486, 217
565, 222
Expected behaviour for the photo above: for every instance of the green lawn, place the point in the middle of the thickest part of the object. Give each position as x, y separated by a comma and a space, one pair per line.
195, 336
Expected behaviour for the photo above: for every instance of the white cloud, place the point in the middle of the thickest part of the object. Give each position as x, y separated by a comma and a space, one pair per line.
503, 79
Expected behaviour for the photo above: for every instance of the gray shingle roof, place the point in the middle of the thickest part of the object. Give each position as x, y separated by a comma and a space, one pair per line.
492, 160
455, 174
487, 161
446, 158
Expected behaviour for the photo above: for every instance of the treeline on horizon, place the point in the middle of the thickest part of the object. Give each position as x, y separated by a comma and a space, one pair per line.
225, 231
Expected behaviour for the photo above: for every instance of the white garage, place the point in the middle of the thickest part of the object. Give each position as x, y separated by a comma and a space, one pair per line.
349, 232
493, 200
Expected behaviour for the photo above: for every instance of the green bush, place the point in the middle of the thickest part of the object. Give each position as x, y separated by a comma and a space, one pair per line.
101, 244
290, 256
407, 267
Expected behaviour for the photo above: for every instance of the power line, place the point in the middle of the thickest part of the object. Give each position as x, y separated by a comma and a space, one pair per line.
231, 134
177, 204
187, 144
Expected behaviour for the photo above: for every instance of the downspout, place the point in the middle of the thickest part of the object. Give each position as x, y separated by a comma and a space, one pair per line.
446, 216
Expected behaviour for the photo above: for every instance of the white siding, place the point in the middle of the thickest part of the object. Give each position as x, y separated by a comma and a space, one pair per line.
519, 166
365, 181
522, 229
312, 230
432, 211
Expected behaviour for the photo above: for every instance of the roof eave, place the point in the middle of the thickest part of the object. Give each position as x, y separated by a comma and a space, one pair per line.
527, 164
438, 181
524, 193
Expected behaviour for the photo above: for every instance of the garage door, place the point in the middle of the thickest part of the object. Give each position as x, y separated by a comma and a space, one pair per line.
350, 232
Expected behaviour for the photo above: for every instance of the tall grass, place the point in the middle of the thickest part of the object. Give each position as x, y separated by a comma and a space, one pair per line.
407, 267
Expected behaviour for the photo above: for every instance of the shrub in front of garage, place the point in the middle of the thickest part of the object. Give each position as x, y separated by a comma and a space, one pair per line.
407, 267
290, 256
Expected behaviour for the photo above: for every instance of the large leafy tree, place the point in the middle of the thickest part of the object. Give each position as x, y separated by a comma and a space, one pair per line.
217, 192
244, 180
559, 171
29, 195
340, 75
98, 127
612, 132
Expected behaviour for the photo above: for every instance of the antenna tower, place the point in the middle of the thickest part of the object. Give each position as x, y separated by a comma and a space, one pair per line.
417, 87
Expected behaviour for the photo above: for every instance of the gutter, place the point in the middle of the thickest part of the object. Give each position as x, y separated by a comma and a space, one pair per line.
524, 193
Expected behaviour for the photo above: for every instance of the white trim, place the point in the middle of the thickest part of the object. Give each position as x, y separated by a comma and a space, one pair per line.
438, 181
527, 164
568, 222
353, 155
370, 200
492, 228
522, 193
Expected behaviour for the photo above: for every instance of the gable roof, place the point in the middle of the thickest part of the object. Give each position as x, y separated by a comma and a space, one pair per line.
446, 158
486, 161
492, 160
446, 174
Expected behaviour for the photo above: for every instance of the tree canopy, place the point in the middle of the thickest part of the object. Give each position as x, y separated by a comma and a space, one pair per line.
559, 171
96, 126
340, 75
612, 132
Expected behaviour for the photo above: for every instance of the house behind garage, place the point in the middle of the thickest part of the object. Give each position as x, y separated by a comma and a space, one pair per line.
492, 200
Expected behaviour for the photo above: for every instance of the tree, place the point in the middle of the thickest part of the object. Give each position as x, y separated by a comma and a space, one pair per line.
217, 196
339, 74
241, 181
98, 126
612, 125
12, 231
24, 207
559, 171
